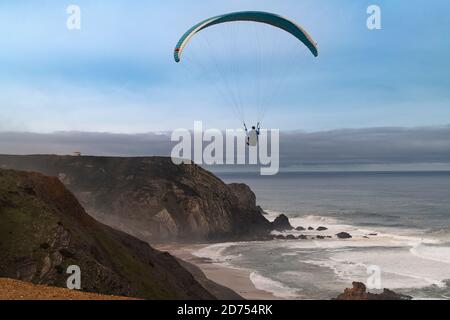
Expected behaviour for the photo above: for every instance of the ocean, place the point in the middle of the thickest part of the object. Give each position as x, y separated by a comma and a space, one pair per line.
400, 223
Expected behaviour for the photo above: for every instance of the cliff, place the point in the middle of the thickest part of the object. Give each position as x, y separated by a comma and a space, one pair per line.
44, 230
151, 198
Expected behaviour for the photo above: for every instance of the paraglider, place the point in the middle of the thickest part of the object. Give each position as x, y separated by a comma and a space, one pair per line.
235, 97
255, 16
252, 135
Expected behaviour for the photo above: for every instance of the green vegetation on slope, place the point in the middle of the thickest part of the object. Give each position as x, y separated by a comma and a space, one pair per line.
43, 230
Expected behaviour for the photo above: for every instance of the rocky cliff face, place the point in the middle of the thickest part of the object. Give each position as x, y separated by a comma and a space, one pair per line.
43, 230
151, 198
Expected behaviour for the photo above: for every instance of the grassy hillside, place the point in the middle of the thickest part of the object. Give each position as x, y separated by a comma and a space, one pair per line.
43, 230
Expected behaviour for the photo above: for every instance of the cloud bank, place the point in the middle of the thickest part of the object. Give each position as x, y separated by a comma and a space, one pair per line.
420, 148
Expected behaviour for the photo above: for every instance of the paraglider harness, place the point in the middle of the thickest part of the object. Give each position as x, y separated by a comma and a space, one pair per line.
258, 129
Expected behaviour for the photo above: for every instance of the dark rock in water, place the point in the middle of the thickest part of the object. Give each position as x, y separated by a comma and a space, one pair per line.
281, 223
290, 237
321, 229
280, 237
359, 292
328, 237
303, 237
366, 237
344, 235
310, 228
300, 229
320, 237
373, 234
389, 295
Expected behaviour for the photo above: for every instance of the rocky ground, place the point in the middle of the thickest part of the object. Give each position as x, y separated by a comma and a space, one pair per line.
20, 290
359, 292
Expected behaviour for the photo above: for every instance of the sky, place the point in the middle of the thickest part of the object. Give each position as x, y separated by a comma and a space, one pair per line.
117, 75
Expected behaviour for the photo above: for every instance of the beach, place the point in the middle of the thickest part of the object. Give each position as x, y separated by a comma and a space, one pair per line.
237, 279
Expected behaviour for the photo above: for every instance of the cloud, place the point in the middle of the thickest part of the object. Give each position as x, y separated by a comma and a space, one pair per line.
367, 146
373, 147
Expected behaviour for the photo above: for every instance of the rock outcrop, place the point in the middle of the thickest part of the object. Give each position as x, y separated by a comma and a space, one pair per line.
44, 230
359, 292
151, 198
344, 235
246, 198
281, 223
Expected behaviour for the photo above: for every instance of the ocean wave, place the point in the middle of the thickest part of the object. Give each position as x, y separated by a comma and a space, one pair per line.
409, 259
434, 253
345, 271
272, 214
275, 287
408, 240
216, 253
320, 219
348, 271
385, 236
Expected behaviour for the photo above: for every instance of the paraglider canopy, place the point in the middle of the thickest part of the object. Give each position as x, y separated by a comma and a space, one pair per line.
247, 59
255, 16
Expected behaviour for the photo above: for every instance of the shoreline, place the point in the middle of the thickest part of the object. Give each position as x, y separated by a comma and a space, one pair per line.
235, 279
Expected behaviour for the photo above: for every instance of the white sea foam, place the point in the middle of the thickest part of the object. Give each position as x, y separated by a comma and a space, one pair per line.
345, 271
272, 214
276, 288
434, 253
399, 268
407, 259
420, 263
216, 253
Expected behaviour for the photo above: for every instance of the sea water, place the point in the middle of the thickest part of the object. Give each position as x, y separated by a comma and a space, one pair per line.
399, 222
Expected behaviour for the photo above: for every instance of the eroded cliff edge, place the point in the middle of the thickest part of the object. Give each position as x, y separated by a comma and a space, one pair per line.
44, 230
151, 198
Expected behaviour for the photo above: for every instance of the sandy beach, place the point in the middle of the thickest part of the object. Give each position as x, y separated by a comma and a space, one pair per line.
235, 279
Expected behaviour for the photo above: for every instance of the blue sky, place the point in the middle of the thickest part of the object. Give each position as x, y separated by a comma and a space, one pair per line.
117, 73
